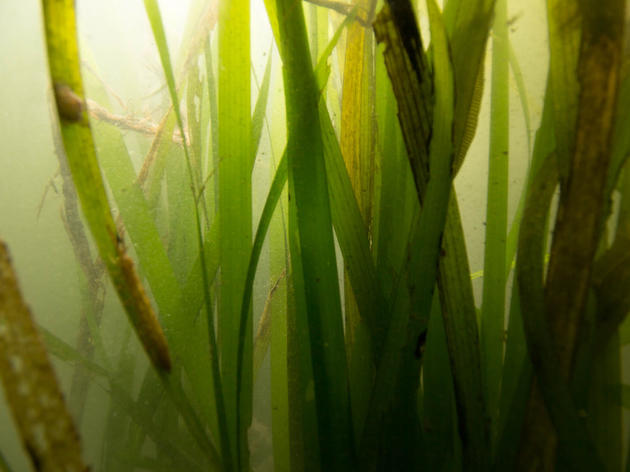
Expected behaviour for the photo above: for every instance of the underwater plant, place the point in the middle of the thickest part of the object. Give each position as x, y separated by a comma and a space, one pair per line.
314, 308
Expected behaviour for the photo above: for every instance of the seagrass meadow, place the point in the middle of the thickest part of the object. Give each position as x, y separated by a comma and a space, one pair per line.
285, 235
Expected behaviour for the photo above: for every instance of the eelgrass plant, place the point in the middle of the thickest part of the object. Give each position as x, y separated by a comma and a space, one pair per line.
379, 357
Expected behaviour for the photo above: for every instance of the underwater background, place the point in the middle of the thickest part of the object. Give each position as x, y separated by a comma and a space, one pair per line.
359, 319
